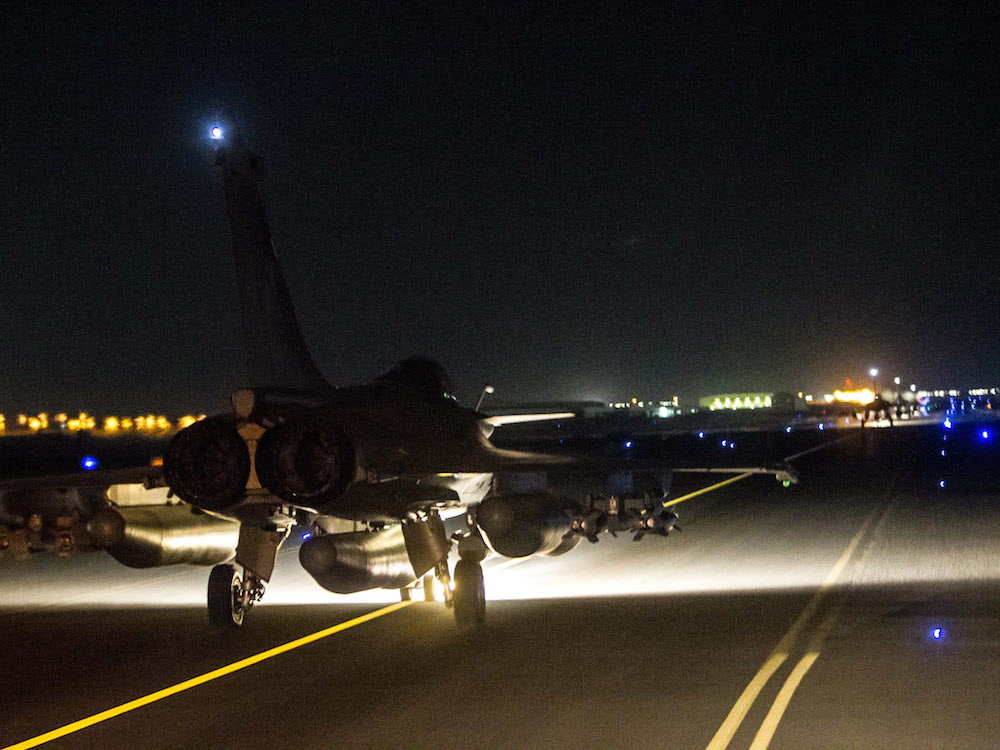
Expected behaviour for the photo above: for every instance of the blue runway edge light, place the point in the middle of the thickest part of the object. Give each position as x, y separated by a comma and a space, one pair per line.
985, 434
937, 633
89, 463
628, 443
216, 133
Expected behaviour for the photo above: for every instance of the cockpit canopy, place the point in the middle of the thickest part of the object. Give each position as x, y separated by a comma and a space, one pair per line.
423, 375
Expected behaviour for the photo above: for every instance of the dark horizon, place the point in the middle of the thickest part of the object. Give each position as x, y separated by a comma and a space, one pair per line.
567, 205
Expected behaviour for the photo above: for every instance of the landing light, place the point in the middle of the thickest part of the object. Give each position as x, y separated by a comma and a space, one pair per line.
216, 133
89, 463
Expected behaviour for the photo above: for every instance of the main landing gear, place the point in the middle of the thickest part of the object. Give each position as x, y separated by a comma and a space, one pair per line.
464, 590
230, 597
469, 597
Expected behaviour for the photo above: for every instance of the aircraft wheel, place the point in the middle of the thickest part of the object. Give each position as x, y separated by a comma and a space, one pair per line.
470, 595
225, 589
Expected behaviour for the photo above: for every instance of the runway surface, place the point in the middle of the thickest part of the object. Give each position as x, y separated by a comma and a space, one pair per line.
800, 617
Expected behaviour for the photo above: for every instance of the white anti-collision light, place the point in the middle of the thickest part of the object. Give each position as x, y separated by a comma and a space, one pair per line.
216, 133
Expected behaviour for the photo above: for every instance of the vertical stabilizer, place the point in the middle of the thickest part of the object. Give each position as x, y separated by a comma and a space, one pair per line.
276, 354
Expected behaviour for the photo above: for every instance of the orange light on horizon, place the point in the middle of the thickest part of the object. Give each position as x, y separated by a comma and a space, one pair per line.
864, 396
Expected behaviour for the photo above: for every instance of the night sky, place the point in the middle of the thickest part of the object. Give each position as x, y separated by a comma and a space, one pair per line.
567, 203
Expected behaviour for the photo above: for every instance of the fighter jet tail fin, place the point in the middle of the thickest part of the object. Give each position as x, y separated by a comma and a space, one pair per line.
276, 353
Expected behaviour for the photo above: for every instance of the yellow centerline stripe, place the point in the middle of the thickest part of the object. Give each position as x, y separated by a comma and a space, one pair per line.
732, 723
180, 687
770, 724
710, 488
767, 729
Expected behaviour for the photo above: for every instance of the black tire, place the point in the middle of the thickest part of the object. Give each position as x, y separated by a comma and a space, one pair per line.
224, 589
470, 595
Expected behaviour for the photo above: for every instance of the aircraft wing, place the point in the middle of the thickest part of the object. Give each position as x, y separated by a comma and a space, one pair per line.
151, 476
501, 419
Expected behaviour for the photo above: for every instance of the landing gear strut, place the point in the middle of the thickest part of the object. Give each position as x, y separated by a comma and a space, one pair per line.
230, 597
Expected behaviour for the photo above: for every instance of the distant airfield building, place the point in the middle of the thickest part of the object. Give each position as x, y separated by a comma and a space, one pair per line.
778, 401
653, 408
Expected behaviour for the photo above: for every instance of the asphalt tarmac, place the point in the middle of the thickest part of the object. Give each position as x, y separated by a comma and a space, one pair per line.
857, 609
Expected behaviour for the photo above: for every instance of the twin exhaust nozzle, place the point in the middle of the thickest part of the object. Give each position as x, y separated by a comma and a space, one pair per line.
307, 461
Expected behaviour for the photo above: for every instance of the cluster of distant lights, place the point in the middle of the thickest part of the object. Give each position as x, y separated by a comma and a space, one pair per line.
661, 409
84, 421
860, 396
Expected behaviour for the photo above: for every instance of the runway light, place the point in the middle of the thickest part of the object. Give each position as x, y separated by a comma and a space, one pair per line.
306, 536
89, 463
937, 633
786, 483
628, 443
822, 426
948, 424
944, 453
701, 434
725, 443
942, 484
788, 429
985, 434
216, 133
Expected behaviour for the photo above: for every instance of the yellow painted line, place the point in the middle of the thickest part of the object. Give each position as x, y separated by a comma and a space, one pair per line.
180, 687
745, 701
766, 731
710, 488
770, 725
732, 723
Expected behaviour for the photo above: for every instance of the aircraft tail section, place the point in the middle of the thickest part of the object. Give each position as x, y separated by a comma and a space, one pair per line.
276, 354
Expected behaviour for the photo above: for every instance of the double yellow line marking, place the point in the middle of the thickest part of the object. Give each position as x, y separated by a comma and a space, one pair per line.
180, 687
783, 650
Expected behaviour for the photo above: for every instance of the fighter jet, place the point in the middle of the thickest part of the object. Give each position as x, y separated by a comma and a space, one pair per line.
388, 478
